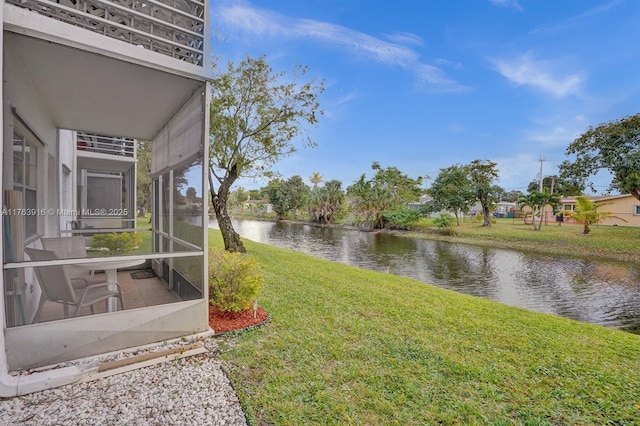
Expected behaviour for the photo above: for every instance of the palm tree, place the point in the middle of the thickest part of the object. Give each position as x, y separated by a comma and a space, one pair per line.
315, 179
335, 196
586, 211
374, 203
359, 188
317, 205
323, 203
537, 201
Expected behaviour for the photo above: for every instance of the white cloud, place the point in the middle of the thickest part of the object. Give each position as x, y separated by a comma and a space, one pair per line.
516, 172
555, 137
437, 79
512, 4
265, 23
335, 107
591, 14
555, 132
525, 71
406, 39
451, 64
251, 20
347, 98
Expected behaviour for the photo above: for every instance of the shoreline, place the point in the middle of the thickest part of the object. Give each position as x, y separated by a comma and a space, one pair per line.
542, 247
539, 247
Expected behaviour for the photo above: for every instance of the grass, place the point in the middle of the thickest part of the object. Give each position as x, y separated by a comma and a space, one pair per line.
350, 346
611, 242
185, 231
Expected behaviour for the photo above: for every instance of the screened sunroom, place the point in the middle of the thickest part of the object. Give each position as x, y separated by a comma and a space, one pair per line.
75, 104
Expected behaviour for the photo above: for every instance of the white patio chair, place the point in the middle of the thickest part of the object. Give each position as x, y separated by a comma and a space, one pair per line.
56, 286
72, 248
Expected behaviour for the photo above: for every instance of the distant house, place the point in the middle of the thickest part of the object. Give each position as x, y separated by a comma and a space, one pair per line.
502, 209
259, 206
625, 207
424, 199
505, 209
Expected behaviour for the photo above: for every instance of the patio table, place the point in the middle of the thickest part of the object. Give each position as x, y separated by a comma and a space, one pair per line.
110, 268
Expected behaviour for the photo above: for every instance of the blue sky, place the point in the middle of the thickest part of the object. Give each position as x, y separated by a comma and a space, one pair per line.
422, 85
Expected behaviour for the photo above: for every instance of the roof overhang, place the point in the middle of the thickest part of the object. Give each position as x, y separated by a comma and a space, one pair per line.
87, 91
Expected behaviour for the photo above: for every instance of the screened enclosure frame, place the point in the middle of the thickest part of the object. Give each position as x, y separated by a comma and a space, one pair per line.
178, 255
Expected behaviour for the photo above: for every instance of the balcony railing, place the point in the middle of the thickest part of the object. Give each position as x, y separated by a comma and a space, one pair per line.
105, 145
172, 27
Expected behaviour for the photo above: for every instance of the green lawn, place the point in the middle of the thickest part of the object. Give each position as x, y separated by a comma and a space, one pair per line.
350, 346
612, 242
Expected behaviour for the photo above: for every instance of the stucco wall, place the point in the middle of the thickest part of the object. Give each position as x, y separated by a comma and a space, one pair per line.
623, 208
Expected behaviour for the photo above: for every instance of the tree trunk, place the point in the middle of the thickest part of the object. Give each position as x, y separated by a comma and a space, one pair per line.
586, 229
487, 217
230, 237
142, 209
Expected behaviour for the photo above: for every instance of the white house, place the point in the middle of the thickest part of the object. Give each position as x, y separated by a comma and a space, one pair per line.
82, 80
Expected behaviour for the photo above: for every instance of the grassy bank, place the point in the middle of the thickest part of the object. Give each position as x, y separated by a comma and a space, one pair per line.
349, 346
607, 242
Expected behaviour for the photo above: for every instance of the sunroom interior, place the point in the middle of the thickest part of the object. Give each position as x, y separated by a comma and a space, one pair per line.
54, 96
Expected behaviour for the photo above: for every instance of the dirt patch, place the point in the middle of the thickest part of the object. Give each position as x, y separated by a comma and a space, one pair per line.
224, 322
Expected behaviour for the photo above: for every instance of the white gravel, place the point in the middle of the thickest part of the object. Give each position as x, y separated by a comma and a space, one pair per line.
189, 391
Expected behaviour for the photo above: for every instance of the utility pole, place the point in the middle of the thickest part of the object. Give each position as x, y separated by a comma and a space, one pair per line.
541, 160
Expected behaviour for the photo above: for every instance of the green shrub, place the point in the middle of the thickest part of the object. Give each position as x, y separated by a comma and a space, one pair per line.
401, 218
234, 282
444, 221
116, 242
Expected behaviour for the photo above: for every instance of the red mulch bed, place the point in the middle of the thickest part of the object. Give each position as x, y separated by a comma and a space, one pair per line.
224, 322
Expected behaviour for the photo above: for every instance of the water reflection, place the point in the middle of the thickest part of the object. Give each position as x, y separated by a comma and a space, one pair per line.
598, 292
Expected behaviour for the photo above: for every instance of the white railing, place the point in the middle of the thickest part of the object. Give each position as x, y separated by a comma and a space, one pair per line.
172, 27
105, 145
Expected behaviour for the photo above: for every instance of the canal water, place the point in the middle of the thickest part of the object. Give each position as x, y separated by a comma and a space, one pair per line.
593, 291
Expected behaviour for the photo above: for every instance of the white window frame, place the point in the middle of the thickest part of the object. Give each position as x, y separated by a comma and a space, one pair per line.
29, 140
636, 210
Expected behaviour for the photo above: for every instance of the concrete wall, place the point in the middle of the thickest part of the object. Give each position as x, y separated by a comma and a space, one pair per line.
73, 338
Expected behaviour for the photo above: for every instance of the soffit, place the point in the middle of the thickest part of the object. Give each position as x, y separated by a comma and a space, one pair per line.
90, 92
